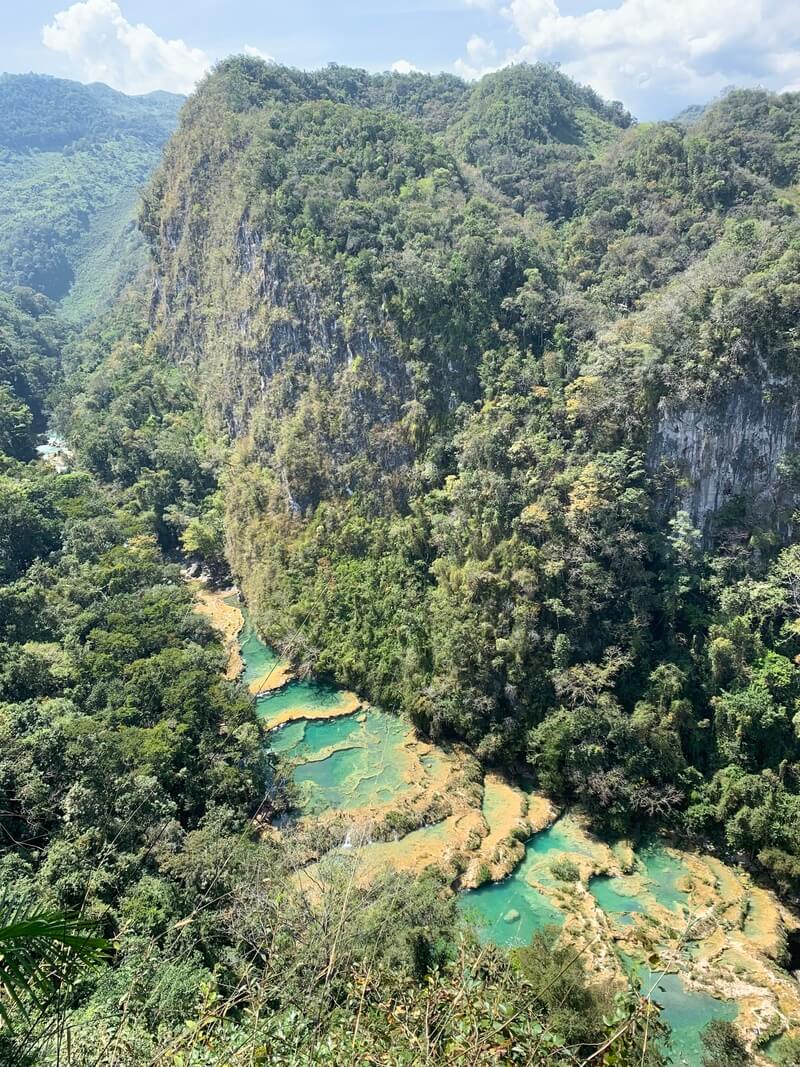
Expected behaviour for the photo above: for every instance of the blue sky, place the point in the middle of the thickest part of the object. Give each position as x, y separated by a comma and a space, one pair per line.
654, 55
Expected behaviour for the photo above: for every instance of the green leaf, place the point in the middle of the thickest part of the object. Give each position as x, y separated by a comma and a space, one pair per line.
40, 952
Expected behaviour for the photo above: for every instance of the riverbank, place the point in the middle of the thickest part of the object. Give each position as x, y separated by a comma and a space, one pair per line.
225, 617
376, 796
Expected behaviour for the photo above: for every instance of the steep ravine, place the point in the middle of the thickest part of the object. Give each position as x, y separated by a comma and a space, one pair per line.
381, 797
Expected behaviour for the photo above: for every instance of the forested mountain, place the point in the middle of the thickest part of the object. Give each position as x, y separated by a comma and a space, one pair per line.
518, 441
73, 159
488, 397
137, 792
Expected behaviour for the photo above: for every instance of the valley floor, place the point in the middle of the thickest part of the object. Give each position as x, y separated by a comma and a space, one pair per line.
699, 935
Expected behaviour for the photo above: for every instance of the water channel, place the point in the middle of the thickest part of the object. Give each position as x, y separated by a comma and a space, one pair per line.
347, 759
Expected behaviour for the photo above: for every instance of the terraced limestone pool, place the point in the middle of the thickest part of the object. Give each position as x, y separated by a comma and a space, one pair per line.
663, 872
356, 761
319, 700
346, 757
508, 913
613, 897
622, 899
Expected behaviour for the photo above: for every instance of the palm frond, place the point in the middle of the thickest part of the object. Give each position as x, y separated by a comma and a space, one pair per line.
40, 953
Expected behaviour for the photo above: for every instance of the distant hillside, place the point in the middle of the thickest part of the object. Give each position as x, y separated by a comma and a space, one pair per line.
72, 161
691, 114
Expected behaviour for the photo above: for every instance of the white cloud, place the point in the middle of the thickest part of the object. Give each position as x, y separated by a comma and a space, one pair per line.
251, 50
480, 50
402, 66
658, 54
482, 58
101, 45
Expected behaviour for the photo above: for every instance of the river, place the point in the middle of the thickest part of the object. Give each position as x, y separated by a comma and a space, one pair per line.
54, 451
717, 936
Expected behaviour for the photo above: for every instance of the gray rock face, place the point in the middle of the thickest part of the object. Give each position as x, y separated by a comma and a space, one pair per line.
270, 344
737, 447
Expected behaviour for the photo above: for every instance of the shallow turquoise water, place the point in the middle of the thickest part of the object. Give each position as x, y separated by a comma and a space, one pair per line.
288, 737
492, 908
664, 871
686, 1012
305, 738
303, 695
604, 891
325, 779
365, 767
555, 839
258, 657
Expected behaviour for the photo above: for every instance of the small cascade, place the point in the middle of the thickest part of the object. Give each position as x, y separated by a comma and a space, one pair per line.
54, 451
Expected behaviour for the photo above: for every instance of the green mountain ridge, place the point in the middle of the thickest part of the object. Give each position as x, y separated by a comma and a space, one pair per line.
487, 399
511, 463
73, 159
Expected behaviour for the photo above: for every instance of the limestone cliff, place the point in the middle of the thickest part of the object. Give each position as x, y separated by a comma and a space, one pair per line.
736, 450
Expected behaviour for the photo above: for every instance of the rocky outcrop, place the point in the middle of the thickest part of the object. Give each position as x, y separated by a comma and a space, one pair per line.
281, 351
738, 447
